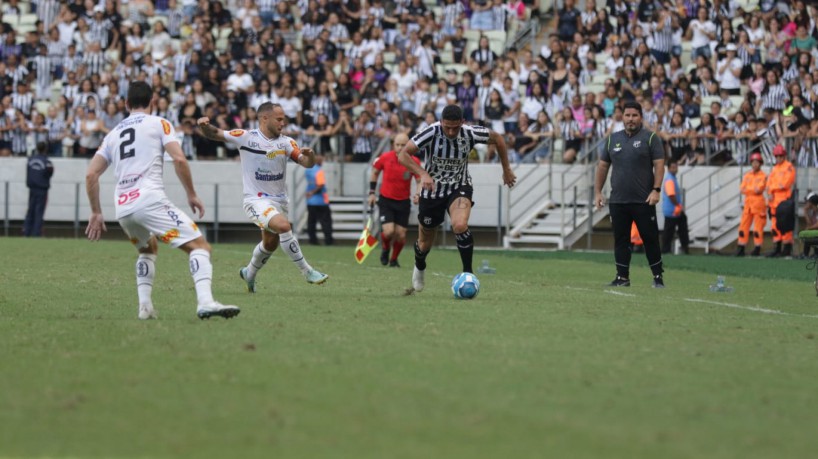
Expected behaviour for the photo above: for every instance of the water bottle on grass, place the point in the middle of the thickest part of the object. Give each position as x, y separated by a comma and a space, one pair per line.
720, 286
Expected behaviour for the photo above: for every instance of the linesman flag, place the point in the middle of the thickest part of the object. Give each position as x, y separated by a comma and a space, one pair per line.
366, 243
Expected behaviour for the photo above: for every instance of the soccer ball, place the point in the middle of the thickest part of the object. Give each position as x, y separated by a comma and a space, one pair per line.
465, 286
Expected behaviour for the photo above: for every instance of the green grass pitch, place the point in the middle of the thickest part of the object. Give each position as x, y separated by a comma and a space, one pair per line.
547, 362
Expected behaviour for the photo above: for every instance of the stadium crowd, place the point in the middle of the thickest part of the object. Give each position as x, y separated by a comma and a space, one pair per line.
717, 79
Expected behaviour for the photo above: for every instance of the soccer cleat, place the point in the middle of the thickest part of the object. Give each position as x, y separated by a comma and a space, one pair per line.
418, 282
251, 284
384, 257
620, 282
740, 251
147, 312
394, 264
316, 277
756, 251
658, 282
206, 311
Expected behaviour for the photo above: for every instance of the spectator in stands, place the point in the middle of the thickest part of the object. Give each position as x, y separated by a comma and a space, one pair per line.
570, 132
56, 131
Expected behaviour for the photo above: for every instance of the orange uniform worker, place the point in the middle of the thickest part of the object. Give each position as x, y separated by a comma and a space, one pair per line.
779, 189
755, 207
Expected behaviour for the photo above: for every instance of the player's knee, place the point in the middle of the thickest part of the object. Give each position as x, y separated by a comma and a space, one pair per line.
279, 225
460, 227
200, 243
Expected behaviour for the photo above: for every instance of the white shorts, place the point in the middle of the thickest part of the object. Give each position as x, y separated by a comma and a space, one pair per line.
261, 210
163, 220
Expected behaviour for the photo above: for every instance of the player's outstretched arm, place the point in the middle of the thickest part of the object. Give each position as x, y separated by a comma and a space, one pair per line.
96, 224
509, 178
182, 169
209, 131
405, 158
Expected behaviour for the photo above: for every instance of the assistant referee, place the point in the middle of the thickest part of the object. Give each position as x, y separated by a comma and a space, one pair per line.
638, 157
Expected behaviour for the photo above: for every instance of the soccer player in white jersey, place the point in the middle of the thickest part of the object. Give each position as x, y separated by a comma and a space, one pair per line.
446, 184
135, 148
264, 155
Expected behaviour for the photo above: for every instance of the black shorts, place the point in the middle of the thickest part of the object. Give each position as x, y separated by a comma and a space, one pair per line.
433, 211
394, 211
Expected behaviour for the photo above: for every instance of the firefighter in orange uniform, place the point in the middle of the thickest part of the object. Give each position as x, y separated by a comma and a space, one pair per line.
755, 207
779, 189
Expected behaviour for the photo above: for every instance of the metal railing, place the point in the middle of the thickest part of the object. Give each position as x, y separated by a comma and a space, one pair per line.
523, 187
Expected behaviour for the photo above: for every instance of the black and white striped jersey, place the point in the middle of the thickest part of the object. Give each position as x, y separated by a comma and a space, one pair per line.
446, 159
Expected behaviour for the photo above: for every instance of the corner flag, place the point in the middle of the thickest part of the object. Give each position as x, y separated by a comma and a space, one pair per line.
366, 243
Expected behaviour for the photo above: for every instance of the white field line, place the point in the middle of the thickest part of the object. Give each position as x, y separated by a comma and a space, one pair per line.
710, 302
750, 308
616, 292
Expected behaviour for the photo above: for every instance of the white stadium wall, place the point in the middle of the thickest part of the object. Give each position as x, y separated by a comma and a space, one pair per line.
68, 188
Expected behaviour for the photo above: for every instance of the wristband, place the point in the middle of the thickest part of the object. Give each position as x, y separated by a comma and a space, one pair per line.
657, 189
372, 186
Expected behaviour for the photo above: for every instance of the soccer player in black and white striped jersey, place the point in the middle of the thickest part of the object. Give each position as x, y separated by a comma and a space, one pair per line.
445, 182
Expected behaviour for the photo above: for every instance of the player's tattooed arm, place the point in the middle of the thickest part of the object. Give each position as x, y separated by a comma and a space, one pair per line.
208, 130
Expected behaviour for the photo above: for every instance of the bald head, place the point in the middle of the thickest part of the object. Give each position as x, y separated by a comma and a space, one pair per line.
399, 142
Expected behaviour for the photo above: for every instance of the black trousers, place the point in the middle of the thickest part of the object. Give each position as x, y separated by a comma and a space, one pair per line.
33, 226
322, 215
622, 217
675, 225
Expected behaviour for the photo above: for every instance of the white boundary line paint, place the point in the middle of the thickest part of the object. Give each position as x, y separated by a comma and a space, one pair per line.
614, 292
750, 308
710, 302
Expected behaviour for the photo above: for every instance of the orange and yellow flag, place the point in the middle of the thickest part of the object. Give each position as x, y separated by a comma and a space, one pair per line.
366, 243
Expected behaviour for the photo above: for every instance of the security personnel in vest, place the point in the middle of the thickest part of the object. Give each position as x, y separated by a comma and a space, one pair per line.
38, 179
755, 207
779, 189
638, 159
318, 211
673, 210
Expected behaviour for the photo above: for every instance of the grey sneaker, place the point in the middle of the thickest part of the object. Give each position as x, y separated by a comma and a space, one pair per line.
206, 311
316, 277
418, 281
251, 284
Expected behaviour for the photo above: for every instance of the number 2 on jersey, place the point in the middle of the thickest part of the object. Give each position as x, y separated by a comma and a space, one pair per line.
124, 151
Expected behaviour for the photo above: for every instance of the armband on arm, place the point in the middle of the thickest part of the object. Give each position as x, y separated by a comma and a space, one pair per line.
372, 186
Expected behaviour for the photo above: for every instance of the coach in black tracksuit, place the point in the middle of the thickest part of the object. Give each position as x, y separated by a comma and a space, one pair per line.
638, 160
38, 178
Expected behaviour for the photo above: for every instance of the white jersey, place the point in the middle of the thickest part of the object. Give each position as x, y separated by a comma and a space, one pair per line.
263, 162
135, 148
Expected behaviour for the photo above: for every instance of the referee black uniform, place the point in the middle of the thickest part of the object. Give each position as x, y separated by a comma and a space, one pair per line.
637, 157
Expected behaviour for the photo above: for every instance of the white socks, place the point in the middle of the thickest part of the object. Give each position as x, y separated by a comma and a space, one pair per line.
145, 271
202, 272
290, 245
260, 257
